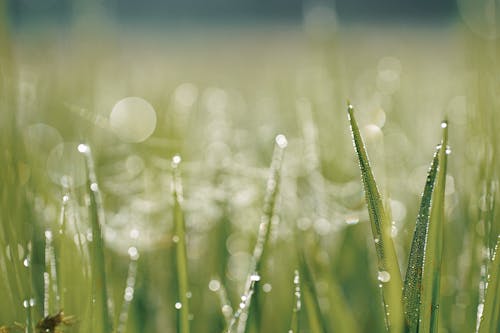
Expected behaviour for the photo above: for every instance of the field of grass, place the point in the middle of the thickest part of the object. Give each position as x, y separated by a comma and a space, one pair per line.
236, 202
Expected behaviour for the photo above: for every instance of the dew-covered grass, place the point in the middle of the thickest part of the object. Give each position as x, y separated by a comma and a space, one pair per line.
266, 224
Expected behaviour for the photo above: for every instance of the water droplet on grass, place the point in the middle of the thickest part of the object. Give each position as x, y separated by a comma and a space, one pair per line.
384, 276
178, 305
129, 294
83, 148
133, 253
214, 285
267, 287
281, 141
255, 277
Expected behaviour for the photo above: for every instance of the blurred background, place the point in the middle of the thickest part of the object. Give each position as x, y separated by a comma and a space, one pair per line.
216, 81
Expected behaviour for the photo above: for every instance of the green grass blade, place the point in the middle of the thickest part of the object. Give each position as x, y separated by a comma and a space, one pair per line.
128, 294
180, 251
262, 244
389, 274
315, 320
294, 321
51, 291
98, 263
431, 278
490, 318
413, 279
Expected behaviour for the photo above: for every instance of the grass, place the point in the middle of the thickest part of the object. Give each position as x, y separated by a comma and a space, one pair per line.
241, 246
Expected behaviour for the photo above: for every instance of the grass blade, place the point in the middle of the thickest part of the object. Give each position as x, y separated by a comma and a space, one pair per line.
315, 319
490, 318
388, 268
98, 264
431, 275
180, 251
294, 321
413, 280
261, 246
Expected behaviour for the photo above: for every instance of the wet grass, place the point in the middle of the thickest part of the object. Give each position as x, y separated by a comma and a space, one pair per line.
243, 245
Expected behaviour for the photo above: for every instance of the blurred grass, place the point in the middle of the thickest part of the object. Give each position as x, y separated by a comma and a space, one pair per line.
221, 112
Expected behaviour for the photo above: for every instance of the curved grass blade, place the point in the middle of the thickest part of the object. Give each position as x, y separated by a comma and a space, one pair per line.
98, 264
388, 268
413, 279
180, 251
431, 275
490, 318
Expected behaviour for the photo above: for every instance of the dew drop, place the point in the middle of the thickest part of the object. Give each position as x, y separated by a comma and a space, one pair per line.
175, 239
214, 285
178, 305
26, 262
94, 187
377, 240
129, 294
384, 276
444, 124
255, 277
448, 150
227, 310
133, 253
394, 231
66, 198
83, 148
267, 287
281, 141
176, 160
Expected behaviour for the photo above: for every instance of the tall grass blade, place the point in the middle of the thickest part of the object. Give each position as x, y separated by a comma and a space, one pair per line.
28, 305
128, 294
413, 280
180, 250
262, 244
294, 321
389, 274
51, 290
431, 275
98, 264
225, 304
309, 295
490, 317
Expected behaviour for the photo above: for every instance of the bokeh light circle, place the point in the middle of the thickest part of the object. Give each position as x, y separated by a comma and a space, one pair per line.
133, 119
